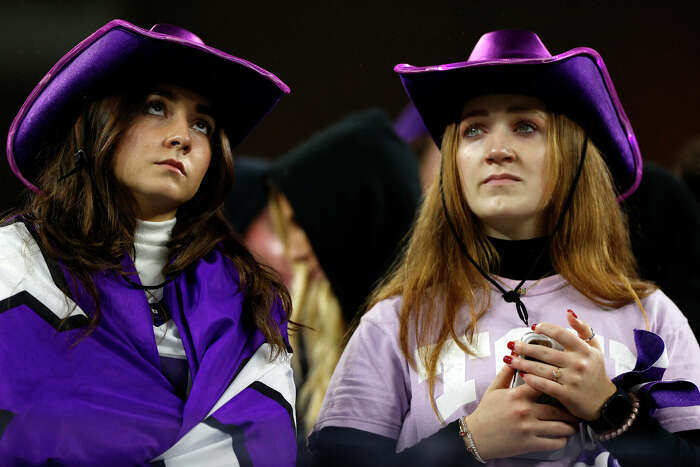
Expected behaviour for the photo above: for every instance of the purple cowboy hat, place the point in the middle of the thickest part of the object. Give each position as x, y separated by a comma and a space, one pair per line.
120, 55
575, 83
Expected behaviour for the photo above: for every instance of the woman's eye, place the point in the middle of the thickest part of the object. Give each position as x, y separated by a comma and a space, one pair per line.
202, 126
525, 127
473, 131
155, 108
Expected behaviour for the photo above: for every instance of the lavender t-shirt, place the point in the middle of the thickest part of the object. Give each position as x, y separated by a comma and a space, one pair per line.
374, 389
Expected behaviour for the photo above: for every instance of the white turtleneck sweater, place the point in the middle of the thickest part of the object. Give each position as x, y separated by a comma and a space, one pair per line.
151, 254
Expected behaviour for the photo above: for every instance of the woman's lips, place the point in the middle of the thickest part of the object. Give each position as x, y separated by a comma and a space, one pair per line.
501, 179
176, 165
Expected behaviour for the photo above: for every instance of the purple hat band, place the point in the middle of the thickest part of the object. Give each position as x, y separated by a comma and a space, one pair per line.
575, 83
121, 56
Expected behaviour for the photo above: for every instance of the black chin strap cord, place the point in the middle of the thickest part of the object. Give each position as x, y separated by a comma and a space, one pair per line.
513, 296
81, 162
80, 158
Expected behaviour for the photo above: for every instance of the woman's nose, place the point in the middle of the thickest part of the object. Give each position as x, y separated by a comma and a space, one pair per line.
179, 135
499, 155
499, 149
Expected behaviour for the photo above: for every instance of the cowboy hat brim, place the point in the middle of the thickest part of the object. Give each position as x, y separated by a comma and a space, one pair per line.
119, 55
575, 83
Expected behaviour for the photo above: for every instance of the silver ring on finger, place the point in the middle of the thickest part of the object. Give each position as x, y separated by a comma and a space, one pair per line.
590, 338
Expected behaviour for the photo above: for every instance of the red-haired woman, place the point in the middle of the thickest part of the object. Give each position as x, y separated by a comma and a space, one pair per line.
135, 327
522, 234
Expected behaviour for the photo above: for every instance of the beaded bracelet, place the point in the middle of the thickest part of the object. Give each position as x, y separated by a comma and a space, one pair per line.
614, 433
466, 434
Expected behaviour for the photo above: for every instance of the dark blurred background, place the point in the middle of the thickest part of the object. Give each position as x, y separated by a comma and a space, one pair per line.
338, 58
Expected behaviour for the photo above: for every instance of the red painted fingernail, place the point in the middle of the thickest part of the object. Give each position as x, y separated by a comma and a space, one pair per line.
572, 313
534, 325
511, 345
508, 359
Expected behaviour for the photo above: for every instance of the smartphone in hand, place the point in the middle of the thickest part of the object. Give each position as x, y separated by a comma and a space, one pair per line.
540, 339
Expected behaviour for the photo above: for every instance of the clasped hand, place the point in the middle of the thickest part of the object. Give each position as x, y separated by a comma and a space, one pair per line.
510, 421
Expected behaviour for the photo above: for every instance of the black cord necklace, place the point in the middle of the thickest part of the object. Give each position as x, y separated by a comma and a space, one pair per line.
513, 296
160, 313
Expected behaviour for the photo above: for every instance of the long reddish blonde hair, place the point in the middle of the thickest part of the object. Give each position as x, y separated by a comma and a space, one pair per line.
591, 249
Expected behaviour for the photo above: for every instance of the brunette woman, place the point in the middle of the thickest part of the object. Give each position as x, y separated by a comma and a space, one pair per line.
524, 227
135, 328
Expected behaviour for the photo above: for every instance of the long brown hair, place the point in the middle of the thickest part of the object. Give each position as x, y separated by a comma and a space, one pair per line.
591, 250
87, 220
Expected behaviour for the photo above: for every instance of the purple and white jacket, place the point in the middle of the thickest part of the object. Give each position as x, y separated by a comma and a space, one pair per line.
103, 399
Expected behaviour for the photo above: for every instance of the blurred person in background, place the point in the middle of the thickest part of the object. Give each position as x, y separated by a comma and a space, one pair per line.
248, 210
410, 128
342, 202
664, 222
135, 328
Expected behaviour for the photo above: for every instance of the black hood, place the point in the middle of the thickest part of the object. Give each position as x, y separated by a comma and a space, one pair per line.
248, 196
354, 188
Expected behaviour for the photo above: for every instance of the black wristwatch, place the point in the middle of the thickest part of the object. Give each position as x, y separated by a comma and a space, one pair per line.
614, 412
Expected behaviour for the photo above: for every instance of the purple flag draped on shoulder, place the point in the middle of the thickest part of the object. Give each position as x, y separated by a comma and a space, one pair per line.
103, 399
645, 378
